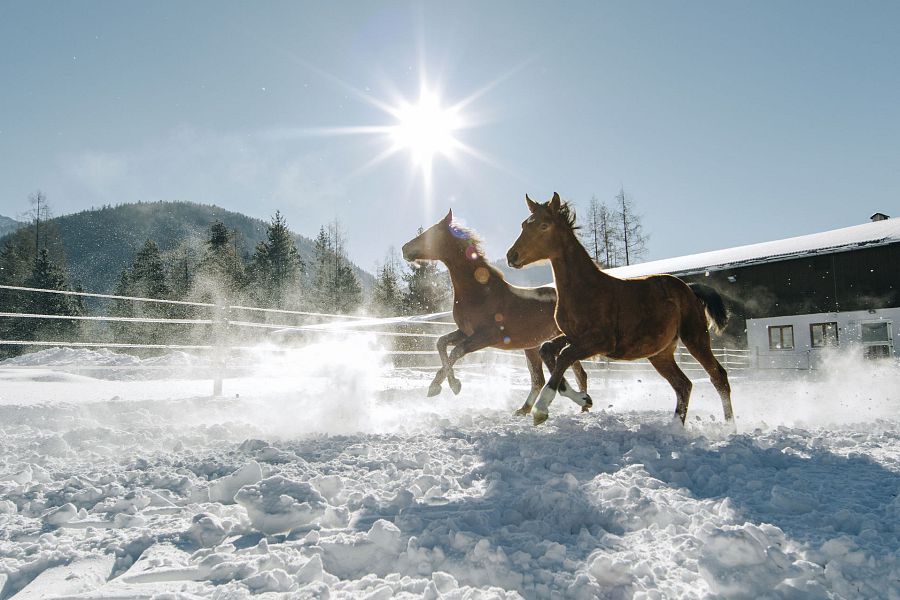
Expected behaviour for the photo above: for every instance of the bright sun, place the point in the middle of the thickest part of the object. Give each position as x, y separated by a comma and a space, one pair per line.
425, 129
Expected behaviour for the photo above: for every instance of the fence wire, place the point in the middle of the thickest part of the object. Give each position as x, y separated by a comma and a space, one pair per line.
339, 324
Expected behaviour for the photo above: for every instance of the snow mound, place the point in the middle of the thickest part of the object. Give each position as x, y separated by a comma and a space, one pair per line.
277, 504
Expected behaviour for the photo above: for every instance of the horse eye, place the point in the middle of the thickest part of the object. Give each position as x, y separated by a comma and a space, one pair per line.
545, 226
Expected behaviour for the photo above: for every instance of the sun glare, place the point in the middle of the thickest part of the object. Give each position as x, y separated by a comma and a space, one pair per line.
425, 129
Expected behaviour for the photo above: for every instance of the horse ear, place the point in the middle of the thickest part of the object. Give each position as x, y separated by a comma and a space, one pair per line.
532, 205
449, 218
555, 202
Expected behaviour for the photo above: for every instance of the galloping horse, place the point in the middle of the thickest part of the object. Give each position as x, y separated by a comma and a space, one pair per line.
489, 312
618, 318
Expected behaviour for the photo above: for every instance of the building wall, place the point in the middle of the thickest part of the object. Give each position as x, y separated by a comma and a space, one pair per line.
860, 279
803, 355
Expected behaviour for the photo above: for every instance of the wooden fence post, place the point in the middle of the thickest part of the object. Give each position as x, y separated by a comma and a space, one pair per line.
220, 334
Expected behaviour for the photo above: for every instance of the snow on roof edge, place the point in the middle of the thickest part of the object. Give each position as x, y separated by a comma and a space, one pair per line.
867, 234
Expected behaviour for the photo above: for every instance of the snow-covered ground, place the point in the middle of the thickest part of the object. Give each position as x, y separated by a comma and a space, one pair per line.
323, 473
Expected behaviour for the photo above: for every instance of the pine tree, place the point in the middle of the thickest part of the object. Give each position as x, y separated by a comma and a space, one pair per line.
148, 274
336, 288
387, 297
122, 308
221, 272
277, 267
49, 276
16, 262
348, 291
146, 278
33, 256
322, 263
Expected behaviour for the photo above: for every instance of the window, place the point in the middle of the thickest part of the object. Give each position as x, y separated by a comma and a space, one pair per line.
876, 339
823, 335
875, 332
781, 337
876, 351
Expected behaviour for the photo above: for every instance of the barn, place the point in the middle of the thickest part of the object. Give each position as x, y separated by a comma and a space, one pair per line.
794, 300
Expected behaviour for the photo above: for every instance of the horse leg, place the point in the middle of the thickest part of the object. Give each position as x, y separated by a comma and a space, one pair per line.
482, 338
557, 383
551, 349
451, 338
699, 347
581, 380
536, 369
549, 352
665, 365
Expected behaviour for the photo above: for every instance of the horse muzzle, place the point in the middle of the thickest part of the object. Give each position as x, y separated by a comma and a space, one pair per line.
409, 253
512, 259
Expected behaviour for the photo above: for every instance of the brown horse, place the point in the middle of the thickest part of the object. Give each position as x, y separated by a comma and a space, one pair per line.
618, 318
489, 312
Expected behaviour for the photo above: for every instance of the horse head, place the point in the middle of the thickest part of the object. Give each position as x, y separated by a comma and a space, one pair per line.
435, 243
540, 237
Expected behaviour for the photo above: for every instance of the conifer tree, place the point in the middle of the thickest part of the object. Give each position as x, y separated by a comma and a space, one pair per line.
48, 275
277, 266
33, 256
148, 274
336, 288
221, 272
387, 296
348, 291
146, 278
16, 263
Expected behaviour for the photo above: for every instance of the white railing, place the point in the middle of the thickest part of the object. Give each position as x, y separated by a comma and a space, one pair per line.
225, 342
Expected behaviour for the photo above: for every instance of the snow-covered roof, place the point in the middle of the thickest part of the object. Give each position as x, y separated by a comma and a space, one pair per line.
868, 234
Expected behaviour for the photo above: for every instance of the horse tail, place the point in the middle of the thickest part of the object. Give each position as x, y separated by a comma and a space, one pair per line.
713, 304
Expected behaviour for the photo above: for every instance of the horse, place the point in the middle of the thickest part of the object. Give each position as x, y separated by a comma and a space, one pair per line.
624, 319
488, 310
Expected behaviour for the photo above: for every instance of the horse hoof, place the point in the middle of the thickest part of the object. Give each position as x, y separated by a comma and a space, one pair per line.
523, 412
588, 403
540, 417
586, 408
455, 385
434, 389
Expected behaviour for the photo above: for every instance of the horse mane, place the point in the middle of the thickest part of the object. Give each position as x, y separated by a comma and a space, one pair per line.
467, 237
567, 213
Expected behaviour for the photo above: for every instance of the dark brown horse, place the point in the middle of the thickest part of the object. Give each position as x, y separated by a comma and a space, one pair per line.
489, 312
618, 318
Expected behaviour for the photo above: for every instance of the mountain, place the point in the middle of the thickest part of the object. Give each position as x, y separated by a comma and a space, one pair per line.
8, 225
99, 243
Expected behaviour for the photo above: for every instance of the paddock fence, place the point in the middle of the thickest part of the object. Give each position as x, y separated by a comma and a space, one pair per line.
223, 336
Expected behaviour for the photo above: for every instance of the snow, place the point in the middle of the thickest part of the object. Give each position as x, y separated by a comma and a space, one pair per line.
867, 234
324, 473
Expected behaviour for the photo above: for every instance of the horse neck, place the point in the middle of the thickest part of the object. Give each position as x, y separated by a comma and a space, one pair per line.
573, 268
462, 272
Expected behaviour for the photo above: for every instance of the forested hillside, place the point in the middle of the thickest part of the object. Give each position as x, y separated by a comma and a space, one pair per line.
100, 243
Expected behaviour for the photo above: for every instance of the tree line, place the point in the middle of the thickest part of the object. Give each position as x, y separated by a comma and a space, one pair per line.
216, 270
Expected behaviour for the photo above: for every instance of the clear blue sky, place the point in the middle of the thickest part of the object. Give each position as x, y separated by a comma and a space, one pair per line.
727, 122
